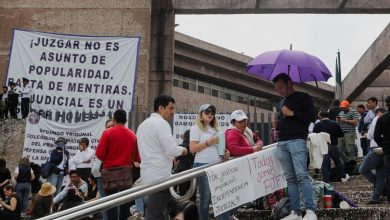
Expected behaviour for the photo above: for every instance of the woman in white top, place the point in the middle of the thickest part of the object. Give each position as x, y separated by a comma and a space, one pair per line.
203, 142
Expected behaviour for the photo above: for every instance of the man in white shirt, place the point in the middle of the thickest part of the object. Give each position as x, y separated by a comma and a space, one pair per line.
82, 160
25, 97
374, 161
157, 148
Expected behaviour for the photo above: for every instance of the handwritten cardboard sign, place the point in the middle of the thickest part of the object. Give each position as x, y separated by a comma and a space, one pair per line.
229, 183
245, 179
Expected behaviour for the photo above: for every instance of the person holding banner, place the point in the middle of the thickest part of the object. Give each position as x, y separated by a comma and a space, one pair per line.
239, 138
296, 113
25, 97
157, 148
203, 142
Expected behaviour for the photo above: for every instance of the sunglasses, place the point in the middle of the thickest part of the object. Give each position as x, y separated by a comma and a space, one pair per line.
208, 112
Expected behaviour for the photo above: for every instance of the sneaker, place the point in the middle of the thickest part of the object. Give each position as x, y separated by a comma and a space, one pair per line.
347, 177
292, 216
310, 215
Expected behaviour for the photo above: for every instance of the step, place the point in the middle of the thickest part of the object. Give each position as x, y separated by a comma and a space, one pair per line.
368, 213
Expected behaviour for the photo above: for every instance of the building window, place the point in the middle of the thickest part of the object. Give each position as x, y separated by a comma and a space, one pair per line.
200, 89
228, 96
176, 82
186, 85
192, 86
240, 99
214, 93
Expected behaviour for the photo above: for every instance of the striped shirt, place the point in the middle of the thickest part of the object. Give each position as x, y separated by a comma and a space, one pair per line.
350, 115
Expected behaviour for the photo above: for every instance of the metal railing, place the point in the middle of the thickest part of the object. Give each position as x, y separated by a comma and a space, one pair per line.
131, 194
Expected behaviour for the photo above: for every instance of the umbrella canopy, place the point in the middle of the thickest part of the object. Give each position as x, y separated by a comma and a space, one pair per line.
300, 66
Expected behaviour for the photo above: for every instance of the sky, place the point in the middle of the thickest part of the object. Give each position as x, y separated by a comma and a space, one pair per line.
317, 34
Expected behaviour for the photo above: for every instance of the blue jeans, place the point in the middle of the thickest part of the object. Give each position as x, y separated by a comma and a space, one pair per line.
56, 180
373, 161
102, 194
205, 198
333, 152
22, 191
292, 155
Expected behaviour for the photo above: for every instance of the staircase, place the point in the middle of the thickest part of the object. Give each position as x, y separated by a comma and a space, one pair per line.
358, 189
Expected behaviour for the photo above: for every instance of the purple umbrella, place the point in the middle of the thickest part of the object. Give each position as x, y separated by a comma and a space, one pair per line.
300, 66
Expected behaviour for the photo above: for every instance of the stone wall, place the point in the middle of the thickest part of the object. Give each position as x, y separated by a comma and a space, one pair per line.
12, 141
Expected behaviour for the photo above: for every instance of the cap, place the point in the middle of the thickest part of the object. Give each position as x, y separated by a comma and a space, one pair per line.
238, 115
12, 84
60, 140
344, 104
204, 107
25, 79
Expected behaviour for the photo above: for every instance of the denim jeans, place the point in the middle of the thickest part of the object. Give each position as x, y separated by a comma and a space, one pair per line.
205, 198
102, 194
373, 161
22, 191
56, 180
140, 204
333, 153
292, 155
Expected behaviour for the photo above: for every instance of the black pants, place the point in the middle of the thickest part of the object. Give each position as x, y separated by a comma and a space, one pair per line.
156, 207
364, 144
25, 106
12, 109
334, 154
120, 212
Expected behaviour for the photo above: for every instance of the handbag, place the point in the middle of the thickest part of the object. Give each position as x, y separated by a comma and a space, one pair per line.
281, 209
117, 178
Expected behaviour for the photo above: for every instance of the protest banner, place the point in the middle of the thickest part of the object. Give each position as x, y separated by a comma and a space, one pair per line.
266, 172
244, 179
73, 75
230, 185
41, 134
184, 121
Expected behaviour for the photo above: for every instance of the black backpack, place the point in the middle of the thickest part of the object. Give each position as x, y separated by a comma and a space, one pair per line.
281, 209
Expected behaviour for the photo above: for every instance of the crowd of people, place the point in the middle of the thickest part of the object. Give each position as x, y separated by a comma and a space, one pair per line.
154, 153
12, 96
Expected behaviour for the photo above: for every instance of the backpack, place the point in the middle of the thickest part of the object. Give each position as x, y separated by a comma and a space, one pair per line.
281, 209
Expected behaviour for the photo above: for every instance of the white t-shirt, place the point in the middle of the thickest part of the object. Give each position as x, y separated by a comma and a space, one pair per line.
209, 154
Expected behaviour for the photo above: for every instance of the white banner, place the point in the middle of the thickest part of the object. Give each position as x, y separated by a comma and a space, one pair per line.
245, 179
70, 73
184, 121
41, 134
